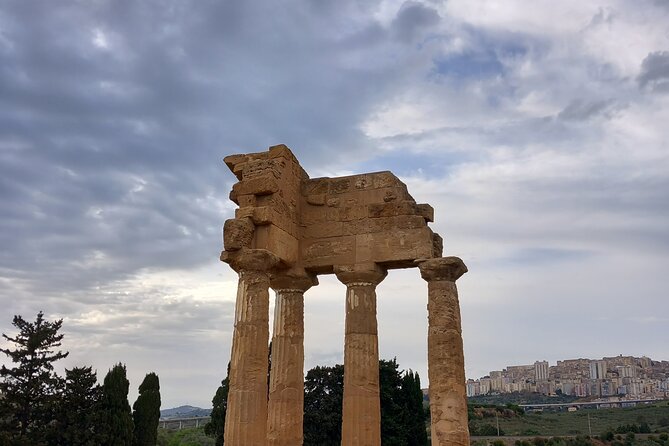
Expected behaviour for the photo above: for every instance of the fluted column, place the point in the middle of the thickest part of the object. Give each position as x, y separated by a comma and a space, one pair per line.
286, 388
246, 417
446, 364
361, 412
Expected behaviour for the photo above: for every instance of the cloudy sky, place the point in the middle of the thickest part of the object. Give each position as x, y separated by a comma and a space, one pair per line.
538, 130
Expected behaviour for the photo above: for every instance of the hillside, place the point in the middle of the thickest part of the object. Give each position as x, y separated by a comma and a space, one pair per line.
184, 412
484, 420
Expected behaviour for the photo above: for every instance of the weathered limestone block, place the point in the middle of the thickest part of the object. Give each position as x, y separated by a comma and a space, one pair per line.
286, 388
261, 168
324, 230
246, 418
348, 213
237, 234
246, 200
426, 211
400, 245
281, 205
383, 224
322, 253
446, 364
387, 179
361, 415
311, 214
437, 245
266, 215
372, 195
339, 185
392, 209
315, 186
277, 241
237, 163
257, 186
316, 199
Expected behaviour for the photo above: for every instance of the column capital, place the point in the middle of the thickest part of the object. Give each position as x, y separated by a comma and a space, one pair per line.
441, 269
243, 260
366, 274
294, 279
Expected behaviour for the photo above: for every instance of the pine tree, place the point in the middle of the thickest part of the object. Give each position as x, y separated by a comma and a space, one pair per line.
116, 415
216, 426
80, 408
30, 389
146, 412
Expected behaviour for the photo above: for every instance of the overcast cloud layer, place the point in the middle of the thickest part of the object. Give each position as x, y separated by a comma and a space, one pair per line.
537, 130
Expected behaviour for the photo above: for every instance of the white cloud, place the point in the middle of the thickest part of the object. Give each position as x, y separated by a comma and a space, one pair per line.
100, 39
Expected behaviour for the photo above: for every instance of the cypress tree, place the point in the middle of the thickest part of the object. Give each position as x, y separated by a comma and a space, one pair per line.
146, 412
116, 415
393, 425
415, 414
30, 390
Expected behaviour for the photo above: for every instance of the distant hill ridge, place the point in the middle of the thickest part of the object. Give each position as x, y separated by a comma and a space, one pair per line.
184, 412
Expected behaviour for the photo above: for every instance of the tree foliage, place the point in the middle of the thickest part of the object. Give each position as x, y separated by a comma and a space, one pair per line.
323, 396
146, 412
116, 415
39, 408
30, 389
79, 412
402, 414
414, 410
216, 426
392, 420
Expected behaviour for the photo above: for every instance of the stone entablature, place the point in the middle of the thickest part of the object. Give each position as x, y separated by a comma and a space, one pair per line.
317, 224
287, 230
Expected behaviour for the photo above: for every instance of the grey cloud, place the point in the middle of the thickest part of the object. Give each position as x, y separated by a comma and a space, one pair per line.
412, 20
533, 257
655, 71
661, 3
178, 86
581, 110
602, 17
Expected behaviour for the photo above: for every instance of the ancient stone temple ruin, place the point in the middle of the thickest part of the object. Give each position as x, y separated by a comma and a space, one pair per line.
287, 230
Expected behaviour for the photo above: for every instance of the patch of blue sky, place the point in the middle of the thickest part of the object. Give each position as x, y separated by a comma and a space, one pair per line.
487, 56
469, 65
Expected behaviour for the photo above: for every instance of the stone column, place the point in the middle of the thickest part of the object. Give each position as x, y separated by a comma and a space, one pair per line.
246, 417
361, 412
286, 383
445, 362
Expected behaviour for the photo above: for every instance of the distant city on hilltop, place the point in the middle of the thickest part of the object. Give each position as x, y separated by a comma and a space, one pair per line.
627, 377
